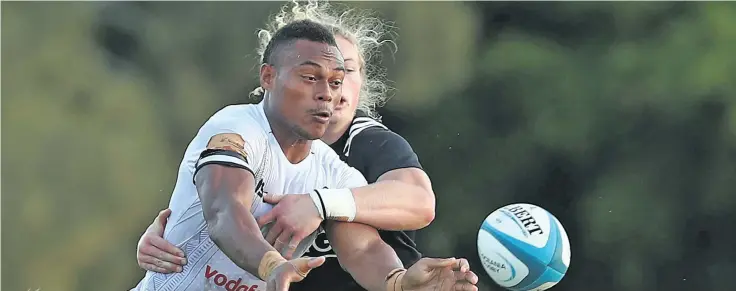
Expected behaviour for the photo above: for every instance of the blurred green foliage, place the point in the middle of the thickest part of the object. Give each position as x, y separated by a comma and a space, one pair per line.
619, 118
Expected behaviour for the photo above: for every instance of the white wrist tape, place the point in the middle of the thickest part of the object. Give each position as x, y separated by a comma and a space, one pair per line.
334, 204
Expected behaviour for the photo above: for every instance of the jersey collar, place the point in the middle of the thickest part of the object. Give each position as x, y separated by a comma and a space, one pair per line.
339, 145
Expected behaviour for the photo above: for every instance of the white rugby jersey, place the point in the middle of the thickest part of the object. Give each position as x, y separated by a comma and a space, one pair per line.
207, 267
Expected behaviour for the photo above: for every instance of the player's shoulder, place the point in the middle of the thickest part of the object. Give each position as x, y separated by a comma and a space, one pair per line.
237, 112
241, 118
378, 133
370, 133
364, 126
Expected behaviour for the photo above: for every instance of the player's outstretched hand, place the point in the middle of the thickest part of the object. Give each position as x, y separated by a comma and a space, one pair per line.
440, 274
155, 253
292, 271
294, 216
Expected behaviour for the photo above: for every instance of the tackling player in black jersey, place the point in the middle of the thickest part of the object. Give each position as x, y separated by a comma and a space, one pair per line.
374, 150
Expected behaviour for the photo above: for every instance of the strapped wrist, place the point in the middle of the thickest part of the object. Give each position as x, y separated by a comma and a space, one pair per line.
394, 278
270, 261
318, 203
335, 204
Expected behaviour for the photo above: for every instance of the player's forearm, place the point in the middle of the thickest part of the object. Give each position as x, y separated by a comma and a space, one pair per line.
226, 201
363, 254
236, 233
370, 266
401, 199
394, 205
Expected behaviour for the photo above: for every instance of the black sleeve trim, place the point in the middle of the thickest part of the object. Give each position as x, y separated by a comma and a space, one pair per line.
230, 159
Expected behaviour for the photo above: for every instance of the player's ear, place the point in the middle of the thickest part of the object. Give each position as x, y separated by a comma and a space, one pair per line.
267, 76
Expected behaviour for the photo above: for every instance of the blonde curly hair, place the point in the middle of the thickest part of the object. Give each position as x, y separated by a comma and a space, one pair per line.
360, 27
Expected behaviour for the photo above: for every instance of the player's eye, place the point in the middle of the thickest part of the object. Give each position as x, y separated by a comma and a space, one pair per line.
350, 70
337, 83
309, 78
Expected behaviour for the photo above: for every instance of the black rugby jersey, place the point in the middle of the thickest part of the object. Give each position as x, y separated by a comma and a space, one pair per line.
372, 149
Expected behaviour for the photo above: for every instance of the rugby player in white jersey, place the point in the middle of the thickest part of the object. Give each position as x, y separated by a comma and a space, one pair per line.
246, 150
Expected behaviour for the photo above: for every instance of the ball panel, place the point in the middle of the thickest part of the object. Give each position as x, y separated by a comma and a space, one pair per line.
542, 254
526, 254
524, 222
558, 258
545, 281
505, 269
565, 244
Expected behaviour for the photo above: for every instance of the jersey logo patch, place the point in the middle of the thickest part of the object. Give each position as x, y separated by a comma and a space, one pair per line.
228, 141
320, 247
259, 188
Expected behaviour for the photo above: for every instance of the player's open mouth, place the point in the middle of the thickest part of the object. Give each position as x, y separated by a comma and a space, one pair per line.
322, 116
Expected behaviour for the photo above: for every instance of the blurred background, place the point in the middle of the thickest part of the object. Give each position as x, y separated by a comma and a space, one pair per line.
619, 118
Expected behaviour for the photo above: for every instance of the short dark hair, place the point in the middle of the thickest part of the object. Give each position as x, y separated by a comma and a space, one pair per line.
301, 29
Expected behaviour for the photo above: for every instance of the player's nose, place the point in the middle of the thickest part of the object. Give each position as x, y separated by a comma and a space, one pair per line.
324, 93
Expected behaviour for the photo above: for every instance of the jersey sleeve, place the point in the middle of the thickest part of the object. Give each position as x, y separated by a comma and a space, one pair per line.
349, 177
229, 140
340, 174
377, 150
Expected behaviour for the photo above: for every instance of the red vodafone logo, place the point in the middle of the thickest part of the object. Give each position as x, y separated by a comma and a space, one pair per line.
223, 281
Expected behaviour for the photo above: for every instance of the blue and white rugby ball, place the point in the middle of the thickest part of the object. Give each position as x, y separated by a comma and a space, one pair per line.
524, 248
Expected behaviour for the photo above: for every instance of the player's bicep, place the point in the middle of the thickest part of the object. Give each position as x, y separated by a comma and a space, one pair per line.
218, 186
414, 176
223, 174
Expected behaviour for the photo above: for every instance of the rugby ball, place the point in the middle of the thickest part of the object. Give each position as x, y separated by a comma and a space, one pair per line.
523, 247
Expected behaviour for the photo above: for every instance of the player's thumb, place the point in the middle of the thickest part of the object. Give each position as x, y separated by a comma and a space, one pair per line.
432, 263
272, 198
304, 265
162, 217
316, 262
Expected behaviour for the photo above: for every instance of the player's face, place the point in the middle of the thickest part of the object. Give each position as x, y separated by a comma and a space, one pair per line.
345, 109
306, 87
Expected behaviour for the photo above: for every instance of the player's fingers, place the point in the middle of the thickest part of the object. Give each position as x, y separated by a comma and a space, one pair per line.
266, 218
168, 252
171, 252
432, 263
147, 249
448, 282
462, 264
293, 243
282, 241
169, 267
471, 277
465, 286
272, 198
154, 268
273, 233
160, 258
466, 276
